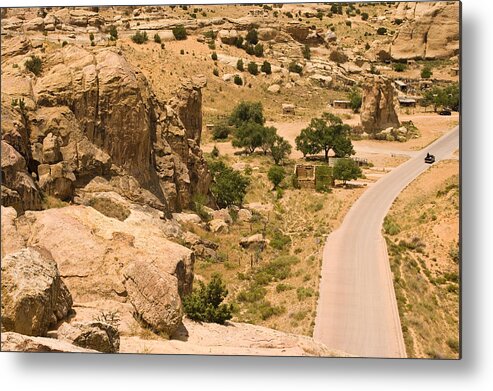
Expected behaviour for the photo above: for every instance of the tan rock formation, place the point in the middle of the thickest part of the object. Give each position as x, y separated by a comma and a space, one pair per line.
154, 295
34, 298
14, 342
432, 31
378, 109
93, 335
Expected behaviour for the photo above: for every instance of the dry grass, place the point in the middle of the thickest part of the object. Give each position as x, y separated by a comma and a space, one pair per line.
422, 237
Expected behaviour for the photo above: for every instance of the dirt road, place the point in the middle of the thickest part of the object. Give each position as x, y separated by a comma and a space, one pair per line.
357, 310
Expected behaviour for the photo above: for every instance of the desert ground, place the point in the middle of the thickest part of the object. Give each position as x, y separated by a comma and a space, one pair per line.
132, 184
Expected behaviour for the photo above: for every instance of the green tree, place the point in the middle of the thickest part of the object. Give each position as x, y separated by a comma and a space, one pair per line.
180, 33
346, 170
228, 186
268, 136
266, 68
446, 97
205, 304
249, 136
238, 80
280, 149
382, 31
364, 16
253, 68
247, 112
325, 134
139, 37
276, 175
214, 56
157, 38
356, 100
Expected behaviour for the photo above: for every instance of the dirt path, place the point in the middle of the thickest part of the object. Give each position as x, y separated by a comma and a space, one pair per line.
357, 310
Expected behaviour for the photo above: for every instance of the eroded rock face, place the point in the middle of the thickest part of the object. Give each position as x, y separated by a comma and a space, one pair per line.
92, 114
432, 31
34, 298
154, 295
94, 335
378, 109
14, 342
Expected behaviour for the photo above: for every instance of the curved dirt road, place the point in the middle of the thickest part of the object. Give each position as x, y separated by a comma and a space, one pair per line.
357, 310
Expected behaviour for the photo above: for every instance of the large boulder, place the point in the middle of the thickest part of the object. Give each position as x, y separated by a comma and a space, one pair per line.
378, 109
34, 297
14, 342
431, 32
154, 296
94, 335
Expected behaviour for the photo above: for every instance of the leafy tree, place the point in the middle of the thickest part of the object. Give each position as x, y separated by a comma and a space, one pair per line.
258, 50
268, 136
252, 37
214, 56
356, 100
325, 134
443, 97
280, 149
247, 112
180, 33
250, 49
221, 130
382, 31
276, 175
266, 68
239, 65
239, 42
228, 186
215, 152
306, 52
364, 16
346, 170
205, 304
426, 72
253, 68
250, 136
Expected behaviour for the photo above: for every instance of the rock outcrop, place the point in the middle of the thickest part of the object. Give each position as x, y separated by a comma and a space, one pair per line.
14, 342
98, 336
91, 114
154, 295
34, 297
430, 31
378, 109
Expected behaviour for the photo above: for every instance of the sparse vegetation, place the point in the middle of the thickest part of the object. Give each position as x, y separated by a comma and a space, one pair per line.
180, 33
139, 37
34, 65
253, 68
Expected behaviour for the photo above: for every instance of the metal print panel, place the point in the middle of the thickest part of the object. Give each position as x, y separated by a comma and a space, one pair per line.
232, 179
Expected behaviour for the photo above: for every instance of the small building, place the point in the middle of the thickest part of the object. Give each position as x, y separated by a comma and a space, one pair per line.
209, 127
341, 104
407, 102
288, 108
305, 176
401, 86
454, 71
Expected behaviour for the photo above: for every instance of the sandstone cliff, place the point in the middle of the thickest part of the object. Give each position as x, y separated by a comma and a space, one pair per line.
430, 31
91, 114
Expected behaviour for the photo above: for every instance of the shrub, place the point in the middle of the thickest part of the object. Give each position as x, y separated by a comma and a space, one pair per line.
64, 43
338, 57
205, 303
302, 293
426, 72
258, 50
199, 201
113, 33
239, 65
390, 227
381, 31
214, 56
182, 52
252, 37
91, 36
276, 175
398, 21
215, 72
356, 100
348, 23
323, 178
367, 46
221, 131
34, 65
250, 49
157, 38
139, 38
266, 68
253, 68
306, 52
279, 241
295, 68
238, 80
180, 33
283, 287
400, 67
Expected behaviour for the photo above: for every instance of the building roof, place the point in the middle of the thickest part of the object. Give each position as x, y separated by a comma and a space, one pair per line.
400, 83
